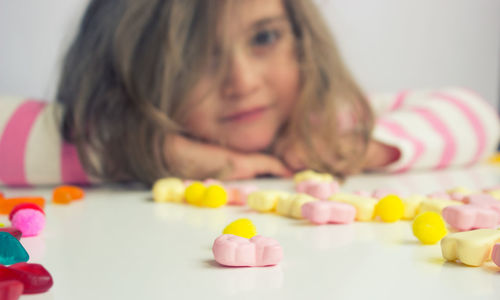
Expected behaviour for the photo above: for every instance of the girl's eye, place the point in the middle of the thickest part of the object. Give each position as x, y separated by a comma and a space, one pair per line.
265, 38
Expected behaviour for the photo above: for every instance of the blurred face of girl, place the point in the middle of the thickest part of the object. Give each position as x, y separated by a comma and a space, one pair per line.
257, 95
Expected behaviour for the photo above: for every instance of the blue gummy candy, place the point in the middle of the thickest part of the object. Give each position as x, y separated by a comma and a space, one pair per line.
11, 250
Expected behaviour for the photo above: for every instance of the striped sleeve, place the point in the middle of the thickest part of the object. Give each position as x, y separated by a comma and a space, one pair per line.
32, 151
436, 129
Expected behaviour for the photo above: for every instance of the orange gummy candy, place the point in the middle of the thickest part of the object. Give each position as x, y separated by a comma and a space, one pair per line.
6, 205
67, 193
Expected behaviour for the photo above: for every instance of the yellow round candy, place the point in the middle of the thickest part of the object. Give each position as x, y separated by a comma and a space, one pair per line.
390, 208
215, 196
429, 227
194, 193
2, 225
241, 227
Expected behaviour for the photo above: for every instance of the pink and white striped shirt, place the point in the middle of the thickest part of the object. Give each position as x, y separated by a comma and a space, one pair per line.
436, 129
32, 151
432, 130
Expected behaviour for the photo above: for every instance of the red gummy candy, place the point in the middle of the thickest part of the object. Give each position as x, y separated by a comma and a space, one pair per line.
14, 231
23, 206
34, 277
11, 289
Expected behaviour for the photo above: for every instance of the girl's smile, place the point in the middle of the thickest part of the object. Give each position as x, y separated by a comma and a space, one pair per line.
246, 115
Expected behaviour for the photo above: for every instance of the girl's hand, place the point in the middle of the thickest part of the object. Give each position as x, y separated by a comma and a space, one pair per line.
293, 154
380, 155
198, 160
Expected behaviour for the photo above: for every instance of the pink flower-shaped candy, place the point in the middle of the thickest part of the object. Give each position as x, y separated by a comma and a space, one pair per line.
468, 217
323, 212
235, 251
318, 189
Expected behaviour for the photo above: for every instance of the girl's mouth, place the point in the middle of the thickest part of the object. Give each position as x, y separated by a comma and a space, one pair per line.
247, 115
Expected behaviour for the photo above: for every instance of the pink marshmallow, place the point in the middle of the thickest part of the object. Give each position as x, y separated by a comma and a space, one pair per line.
495, 254
318, 189
484, 200
323, 212
468, 217
235, 251
29, 221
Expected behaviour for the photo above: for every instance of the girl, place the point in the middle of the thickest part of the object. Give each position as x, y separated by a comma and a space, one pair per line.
225, 89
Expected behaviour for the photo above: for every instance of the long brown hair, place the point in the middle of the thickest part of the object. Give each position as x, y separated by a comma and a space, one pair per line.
332, 118
132, 63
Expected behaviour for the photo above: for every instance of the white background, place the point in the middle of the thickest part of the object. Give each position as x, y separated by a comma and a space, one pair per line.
389, 44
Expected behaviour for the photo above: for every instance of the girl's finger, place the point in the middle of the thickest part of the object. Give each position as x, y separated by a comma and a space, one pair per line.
252, 165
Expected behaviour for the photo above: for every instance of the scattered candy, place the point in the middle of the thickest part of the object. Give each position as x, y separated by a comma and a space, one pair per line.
265, 201
11, 251
66, 194
390, 208
412, 206
468, 217
194, 193
6, 205
429, 228
241, 227
472, 248
10, 289
365, 206
236, 251
30, 221
484, 200
13, 231
292, 206
34, 277
495, 254
168, 190
211, 194
323, 212
215, 196
318, 189
312, 175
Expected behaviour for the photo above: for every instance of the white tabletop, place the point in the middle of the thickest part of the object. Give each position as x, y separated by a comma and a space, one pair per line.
118, 244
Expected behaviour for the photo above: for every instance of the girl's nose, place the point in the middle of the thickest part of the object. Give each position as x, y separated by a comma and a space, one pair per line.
242, 79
